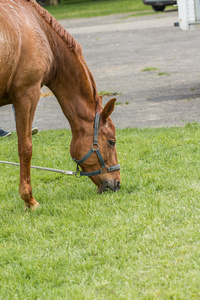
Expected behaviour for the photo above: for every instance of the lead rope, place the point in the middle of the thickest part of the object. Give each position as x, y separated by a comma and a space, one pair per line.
41, 168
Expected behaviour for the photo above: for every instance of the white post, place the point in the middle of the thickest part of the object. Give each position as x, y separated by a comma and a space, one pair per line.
189, 14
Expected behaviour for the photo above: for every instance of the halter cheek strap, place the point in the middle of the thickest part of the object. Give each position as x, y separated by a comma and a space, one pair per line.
95, 148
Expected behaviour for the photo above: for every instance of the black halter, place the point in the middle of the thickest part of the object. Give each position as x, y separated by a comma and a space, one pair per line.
95, 148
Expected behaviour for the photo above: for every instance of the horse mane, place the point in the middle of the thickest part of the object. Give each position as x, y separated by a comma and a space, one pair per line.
59, 29
68, 39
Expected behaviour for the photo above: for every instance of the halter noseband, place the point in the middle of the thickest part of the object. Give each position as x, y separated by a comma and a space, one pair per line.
95, 148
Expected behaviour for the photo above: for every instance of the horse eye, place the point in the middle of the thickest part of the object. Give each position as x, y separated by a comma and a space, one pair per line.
111, 143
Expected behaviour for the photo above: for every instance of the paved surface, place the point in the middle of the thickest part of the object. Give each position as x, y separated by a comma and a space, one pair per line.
117, 49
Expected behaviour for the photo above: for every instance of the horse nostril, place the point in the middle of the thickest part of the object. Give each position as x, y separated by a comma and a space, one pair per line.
118, 184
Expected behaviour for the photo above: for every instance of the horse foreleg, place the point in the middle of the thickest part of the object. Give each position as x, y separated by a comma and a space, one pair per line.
25, 189
24, 110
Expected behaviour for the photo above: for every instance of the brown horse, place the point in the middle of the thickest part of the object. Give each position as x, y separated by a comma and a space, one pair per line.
35, 50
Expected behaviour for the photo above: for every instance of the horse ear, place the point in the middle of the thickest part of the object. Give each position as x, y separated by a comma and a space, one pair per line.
99, 104
100, 99
108, 109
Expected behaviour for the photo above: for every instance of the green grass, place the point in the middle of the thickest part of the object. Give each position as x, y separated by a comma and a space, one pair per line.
121, 103
163, 74
140, 243
91, 8
148, 69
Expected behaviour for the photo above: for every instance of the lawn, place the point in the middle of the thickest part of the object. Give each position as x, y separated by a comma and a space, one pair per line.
140, 243
90, 8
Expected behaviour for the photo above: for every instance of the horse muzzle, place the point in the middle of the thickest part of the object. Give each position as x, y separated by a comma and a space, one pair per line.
114, 186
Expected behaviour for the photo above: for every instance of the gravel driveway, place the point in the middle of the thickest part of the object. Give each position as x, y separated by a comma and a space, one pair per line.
152, 65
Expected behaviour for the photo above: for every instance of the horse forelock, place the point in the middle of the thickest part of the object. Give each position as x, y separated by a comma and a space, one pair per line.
68, 39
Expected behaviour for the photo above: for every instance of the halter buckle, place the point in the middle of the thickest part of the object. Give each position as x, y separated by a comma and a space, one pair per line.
97, 147
104, 170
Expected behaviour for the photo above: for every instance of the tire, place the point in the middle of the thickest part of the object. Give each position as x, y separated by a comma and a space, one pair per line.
158, 7
42, 2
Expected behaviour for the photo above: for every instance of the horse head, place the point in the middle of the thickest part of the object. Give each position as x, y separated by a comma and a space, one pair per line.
99, 139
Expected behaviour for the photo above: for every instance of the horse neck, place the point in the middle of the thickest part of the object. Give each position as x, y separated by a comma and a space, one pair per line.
74, 90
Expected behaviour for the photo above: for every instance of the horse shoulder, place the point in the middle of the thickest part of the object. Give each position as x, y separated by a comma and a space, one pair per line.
9, 51
30, 48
